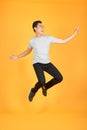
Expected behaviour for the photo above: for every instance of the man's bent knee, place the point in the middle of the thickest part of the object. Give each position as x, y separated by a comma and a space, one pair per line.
59, 78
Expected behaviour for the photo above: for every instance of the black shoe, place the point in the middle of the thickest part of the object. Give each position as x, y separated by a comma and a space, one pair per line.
44, 91
31, 95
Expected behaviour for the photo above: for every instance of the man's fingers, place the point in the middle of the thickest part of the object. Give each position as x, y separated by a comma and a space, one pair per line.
78, 27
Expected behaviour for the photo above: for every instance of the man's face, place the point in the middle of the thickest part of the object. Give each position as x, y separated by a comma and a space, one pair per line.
39, 29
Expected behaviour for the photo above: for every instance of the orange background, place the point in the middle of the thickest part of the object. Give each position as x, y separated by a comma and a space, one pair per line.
65, 107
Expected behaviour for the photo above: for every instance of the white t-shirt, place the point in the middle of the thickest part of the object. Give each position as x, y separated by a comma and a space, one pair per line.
41, 47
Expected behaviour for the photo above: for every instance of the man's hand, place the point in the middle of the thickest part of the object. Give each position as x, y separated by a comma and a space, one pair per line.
64, 40
26, 52
13, 57
76, 30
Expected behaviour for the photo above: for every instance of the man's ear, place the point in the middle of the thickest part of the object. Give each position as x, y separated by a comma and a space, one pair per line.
34, 29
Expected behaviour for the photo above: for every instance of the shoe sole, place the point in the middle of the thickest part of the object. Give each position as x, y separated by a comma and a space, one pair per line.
44, 91
31, 95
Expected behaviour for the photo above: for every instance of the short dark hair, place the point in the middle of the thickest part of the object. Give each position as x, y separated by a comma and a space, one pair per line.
35, 23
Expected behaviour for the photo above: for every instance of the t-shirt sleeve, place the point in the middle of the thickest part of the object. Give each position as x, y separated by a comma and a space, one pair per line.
52, 39
30, 44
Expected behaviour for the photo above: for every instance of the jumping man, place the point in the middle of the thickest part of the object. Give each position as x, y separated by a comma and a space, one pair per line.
40, 43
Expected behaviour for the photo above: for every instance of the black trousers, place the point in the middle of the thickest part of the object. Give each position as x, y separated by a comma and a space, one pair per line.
49, 68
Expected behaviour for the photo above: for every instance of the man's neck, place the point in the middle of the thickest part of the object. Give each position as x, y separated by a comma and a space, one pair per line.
39, 35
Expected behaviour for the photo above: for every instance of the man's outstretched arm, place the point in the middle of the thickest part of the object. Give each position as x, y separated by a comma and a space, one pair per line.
58, 40
26, 52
